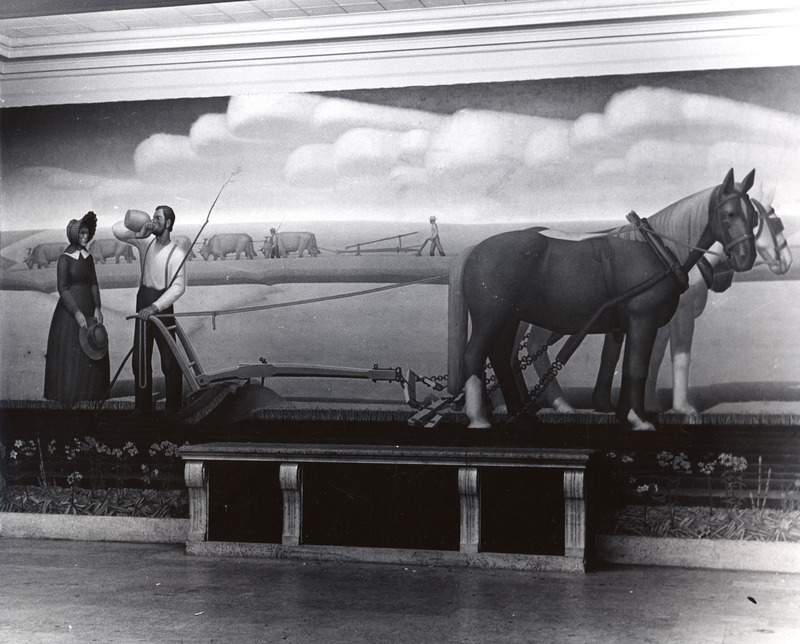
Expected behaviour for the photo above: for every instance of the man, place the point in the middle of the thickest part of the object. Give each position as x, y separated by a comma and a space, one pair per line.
273, 240
162, 282
433, 239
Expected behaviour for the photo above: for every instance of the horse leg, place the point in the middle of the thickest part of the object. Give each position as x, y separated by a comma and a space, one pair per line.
554, 394
475, 353
638, 348
656, 358
504, 363
601, 395
681, 333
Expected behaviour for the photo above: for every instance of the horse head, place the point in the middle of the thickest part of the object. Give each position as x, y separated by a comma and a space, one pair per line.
771, 242
733, 218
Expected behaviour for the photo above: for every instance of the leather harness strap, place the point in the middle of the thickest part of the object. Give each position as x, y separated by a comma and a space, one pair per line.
604, 253
663, 253
707, 271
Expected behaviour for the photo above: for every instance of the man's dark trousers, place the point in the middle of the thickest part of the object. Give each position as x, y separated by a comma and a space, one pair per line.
173, 377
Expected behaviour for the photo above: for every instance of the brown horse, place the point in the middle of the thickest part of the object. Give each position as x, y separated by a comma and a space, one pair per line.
774, 252
567, 287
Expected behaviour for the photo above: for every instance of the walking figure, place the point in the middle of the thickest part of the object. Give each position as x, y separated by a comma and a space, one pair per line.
433, 239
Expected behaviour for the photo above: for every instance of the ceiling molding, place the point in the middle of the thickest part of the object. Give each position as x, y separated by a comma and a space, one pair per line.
514, 41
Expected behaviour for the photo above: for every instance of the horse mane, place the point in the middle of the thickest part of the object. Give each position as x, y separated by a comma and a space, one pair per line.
686, 219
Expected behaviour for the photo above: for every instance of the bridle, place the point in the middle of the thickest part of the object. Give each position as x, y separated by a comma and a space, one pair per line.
729, 243
774, 225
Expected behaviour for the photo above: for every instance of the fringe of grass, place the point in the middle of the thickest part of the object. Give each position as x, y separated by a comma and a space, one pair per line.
699, 523
118, 502
402, 414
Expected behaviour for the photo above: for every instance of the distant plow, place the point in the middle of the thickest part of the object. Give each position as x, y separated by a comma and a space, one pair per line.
366, 247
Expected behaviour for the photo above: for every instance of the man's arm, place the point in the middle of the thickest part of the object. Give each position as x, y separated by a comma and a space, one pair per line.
122, 233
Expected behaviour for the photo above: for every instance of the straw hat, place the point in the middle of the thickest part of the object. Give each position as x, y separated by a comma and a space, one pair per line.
94, 339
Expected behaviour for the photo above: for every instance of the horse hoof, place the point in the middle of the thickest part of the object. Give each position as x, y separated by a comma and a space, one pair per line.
636, 424
562, 406
644, 427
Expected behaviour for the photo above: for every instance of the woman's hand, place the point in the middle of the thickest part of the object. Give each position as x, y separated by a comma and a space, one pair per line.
99, 315
80, 318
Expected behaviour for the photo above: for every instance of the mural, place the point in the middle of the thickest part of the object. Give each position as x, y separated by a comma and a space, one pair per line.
345, 186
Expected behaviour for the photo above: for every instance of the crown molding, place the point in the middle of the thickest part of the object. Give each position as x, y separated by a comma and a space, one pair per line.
476, 43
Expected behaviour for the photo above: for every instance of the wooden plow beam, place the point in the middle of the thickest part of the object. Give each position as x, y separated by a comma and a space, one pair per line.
357, 249
200, 380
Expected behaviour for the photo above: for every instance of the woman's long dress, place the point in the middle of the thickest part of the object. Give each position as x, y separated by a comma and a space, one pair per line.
71, 375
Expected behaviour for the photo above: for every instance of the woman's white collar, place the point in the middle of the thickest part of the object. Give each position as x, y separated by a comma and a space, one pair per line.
81, 252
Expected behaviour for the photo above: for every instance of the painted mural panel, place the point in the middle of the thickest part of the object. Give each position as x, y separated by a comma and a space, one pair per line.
364, 173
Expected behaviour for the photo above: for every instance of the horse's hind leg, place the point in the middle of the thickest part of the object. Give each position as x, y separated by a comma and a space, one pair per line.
503, 358
484, 333
554, 394
601, 396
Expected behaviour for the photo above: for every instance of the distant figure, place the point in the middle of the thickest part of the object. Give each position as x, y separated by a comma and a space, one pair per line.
273, 242
433, 239
77, 366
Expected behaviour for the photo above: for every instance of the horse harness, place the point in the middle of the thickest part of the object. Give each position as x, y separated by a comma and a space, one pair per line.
604, 253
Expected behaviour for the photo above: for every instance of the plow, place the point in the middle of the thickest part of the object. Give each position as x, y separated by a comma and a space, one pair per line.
208, 389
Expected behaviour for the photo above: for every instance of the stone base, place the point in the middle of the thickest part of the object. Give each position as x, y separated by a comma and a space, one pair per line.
92, 528
762, 556
486, 560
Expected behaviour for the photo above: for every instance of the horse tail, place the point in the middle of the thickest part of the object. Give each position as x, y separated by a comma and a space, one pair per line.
457, 324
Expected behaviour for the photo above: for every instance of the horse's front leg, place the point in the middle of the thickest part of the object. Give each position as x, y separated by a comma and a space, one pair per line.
601, 395
638, 348
656, 359
681, 334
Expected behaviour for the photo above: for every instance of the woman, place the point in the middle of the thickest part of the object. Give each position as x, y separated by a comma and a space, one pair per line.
74, 372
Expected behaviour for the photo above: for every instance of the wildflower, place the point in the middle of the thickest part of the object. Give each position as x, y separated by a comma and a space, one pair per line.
18, 443
733, 463
626, 458
706, 467
51, 446
14, 454
665, 459
642, 489
74, 478
681, 462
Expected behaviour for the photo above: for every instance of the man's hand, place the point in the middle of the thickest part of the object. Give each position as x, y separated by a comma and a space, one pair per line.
99, 315
147, 311
145, 230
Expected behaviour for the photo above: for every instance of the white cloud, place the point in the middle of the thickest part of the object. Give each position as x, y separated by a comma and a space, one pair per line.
280, 120
335, 116
305, 153
312, 166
